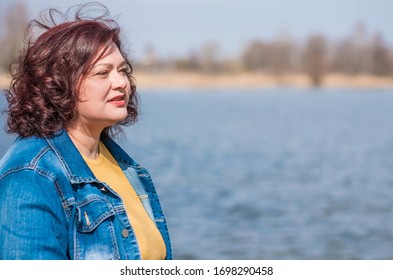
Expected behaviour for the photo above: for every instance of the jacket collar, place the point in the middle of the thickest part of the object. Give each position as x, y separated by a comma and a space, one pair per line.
75, 166
118, 153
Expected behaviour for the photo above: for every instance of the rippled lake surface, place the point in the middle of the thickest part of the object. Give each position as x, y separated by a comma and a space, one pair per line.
271, 173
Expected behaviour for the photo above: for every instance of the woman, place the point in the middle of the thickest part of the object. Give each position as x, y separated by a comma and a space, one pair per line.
67, 190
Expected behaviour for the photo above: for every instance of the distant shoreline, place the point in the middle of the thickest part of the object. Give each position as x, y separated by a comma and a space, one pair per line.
173, 80
185, 80
4, 81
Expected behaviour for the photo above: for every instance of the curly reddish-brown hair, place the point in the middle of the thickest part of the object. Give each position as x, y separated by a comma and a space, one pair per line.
44, 89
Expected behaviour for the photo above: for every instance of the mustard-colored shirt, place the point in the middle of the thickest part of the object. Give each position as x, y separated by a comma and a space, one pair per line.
106, 169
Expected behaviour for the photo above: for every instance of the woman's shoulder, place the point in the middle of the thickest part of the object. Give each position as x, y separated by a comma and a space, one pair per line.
28, 153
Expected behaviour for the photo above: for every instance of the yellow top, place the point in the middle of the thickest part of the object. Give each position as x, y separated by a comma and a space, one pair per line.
106, 169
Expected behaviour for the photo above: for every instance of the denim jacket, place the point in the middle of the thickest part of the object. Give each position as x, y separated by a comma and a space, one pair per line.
53, 207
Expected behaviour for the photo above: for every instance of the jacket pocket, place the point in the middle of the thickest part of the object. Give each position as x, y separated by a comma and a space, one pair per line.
92, 212
95, 230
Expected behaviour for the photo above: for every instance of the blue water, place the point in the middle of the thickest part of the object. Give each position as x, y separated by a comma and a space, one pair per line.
271, 173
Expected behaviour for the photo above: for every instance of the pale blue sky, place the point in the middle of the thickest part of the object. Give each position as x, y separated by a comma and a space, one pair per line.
177, 26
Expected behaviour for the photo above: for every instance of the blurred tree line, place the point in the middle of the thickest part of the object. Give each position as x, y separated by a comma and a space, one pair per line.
358, 53
13, 25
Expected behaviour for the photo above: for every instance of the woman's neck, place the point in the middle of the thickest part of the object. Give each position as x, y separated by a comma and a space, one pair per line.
86, 141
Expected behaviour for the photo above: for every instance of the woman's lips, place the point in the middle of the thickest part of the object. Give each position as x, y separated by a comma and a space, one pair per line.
118, 100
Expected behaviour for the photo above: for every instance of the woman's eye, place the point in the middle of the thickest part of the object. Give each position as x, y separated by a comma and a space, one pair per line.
102, 73
125, 71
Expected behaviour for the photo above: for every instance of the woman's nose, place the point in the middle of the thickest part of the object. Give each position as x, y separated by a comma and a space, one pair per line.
120, 81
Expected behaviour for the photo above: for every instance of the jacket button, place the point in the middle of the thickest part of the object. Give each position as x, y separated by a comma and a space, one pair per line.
124, 233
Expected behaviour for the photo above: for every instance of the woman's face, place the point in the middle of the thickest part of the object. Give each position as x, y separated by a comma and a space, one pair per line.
104, 92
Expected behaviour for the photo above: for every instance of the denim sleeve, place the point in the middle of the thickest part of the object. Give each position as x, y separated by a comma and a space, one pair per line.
32, 219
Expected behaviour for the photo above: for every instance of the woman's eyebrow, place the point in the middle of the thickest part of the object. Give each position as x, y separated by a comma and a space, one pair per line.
110, 64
